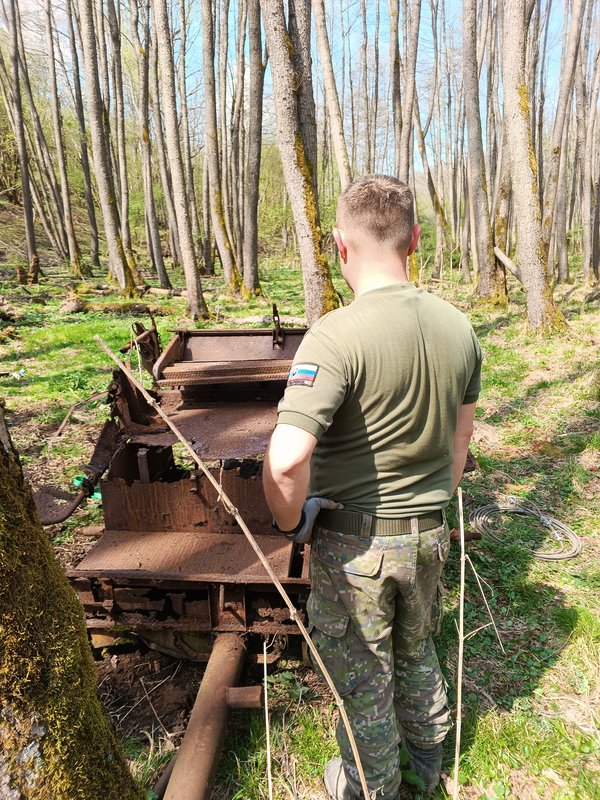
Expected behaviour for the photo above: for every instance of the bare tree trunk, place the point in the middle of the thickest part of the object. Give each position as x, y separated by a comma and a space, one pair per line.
83, 144
211, 153
236, 161
185, 128
118, 263
375, 102
587, 205
299, 33
209, 263
531, 254
30, 243
394, 58
364, 90
331, 95
196, 304
220, 47
490, 286
255, 105
43, 160
464, 240
74, 254
161, 149
561, 254
410, 68
319, 292
502, 206
564, 101
115, 35
541, 105
142, 47
55, 739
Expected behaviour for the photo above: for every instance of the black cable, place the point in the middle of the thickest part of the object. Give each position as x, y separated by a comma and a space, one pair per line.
480, 520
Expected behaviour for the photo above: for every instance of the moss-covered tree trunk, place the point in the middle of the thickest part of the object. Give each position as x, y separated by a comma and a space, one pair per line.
532, 253
298, 168
56, 742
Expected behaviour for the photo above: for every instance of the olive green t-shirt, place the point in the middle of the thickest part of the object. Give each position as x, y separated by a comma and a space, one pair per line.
379, 383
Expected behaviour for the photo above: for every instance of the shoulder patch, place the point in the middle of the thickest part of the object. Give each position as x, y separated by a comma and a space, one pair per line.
302, 375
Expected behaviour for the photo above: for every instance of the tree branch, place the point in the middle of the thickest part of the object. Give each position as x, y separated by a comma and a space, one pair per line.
508, 263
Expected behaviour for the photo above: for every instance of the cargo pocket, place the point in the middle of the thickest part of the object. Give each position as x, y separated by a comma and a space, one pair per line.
349, 554
437, 610
329, 632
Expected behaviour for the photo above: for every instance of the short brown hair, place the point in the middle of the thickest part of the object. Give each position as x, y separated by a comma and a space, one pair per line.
381, 206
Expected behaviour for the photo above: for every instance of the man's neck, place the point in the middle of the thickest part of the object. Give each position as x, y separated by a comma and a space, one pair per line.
367, 280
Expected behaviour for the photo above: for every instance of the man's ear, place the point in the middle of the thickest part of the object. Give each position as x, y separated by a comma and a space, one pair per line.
416, 232
338, 235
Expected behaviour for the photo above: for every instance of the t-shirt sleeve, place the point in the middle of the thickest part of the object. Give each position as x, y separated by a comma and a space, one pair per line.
317, 384
474, 386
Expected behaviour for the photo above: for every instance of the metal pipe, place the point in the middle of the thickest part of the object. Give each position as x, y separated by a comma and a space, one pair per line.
198, 756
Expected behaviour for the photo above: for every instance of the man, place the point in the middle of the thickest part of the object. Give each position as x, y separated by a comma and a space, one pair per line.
377, 418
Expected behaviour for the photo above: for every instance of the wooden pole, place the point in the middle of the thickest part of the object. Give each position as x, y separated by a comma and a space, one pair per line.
461, 643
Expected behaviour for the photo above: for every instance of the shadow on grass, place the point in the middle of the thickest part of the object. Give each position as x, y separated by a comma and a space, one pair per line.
535, 619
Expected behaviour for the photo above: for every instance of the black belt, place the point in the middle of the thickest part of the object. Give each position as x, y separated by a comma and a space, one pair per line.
365, 525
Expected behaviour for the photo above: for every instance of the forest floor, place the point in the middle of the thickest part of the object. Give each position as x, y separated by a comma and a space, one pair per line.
532, 712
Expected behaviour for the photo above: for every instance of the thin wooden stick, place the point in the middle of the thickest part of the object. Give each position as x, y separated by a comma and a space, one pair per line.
461, 642
231, 509
269, 775
486, 604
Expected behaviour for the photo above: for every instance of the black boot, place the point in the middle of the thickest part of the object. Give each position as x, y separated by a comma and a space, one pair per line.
426, 763
336, 781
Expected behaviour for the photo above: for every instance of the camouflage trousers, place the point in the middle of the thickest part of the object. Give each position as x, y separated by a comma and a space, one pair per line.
374, 605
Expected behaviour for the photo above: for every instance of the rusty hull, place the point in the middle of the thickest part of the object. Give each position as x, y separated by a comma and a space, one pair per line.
171, 559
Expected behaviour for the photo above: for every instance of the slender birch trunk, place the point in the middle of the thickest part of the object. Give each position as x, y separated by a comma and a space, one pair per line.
196, 304
564, 101
74, 254
255, 107
490, 285
331, 95
410, 69
30, 241
83, 142
185, 127
114, 24
142, 47
211, 153
161, 150
118, 263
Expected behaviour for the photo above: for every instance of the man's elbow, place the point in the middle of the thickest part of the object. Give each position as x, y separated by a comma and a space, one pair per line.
284, 466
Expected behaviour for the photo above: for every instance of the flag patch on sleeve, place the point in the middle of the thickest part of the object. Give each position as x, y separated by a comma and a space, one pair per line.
302, 375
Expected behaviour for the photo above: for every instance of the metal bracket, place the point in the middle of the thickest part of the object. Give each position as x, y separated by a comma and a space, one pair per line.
277, 331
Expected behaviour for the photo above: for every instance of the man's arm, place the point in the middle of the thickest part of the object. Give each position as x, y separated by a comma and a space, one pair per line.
462, 437
286, 473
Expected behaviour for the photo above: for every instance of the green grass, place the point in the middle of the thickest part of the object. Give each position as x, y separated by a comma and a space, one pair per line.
531, 715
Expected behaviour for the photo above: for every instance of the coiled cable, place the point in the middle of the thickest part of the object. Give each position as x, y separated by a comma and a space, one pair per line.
568, 541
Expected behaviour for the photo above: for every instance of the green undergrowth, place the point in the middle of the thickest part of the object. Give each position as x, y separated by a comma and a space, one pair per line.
531, 713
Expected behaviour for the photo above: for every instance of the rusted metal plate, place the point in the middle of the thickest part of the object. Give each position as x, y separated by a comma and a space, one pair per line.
187, 504
186, 373
238, 345
226, 430
185, 556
